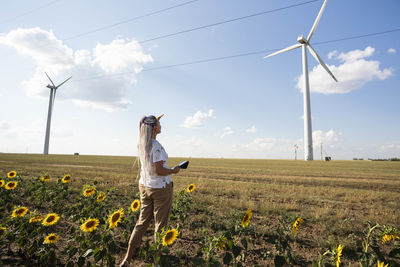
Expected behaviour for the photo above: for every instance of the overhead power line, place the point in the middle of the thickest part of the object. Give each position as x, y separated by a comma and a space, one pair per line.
28, 12
235, 56
226, 21
128, 20
358, 36
184, 31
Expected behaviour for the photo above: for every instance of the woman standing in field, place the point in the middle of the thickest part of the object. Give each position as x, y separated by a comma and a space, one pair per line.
155, 184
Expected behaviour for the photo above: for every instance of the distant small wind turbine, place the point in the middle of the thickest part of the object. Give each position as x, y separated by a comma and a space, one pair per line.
305, 43
295, 151
53, 89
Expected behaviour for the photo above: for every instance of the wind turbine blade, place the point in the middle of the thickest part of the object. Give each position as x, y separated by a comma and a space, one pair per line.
64, 82
49, 79
284, 50
315, 55
316, 21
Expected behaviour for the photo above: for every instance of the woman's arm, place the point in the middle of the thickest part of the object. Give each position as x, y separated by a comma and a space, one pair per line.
161, 171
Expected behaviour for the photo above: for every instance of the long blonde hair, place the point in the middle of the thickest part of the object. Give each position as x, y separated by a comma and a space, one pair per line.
146, 128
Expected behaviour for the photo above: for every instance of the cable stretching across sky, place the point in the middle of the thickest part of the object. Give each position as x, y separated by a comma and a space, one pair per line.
29, 12
127, 21
183, 31
237, 55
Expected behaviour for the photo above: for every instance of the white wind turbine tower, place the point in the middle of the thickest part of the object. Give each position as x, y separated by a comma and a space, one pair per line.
304, 44
53, 89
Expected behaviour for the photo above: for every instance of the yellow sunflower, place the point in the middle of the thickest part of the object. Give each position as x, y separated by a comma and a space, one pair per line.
45, 178
51, 238
2, 183
338, 254
246, 218
387, 237
66, 179
11, 174
2, 231
19, 212
11, 185
191, 188
50, 219
135, 205
381, 264
297, 224
89, 191
169, 237
115, 218
221, 243
101, 197
36, 218
89, 225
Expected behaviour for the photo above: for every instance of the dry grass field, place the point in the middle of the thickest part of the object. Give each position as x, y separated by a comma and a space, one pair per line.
335, 199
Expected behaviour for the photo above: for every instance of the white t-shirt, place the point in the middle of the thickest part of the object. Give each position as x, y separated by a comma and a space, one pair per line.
157, 153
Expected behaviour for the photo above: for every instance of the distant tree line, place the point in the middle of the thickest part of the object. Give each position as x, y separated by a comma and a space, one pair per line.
389, 159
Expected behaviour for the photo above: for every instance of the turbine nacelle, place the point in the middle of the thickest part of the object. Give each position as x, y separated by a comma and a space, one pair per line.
302, 40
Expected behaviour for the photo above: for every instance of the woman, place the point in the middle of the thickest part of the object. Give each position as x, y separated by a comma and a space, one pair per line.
155, 184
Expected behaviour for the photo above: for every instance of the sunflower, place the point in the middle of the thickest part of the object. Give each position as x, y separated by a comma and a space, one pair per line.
101, 197
221, 243
19, 212
381, 264
89, 225
115, 218
135, 205
36, 218
169, 237
45, 178
11, 174
11, 185
338, 253
2, 183
387, 237
66, 179
2, 230
297, 224
51, 238
50, 219
190, 188
246, 218
89, 191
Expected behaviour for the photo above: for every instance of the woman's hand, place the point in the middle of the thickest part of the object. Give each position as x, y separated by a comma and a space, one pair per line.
176, 169
160, 170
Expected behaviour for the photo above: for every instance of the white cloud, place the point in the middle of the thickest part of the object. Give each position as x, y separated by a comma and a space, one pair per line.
4, 125
329, 138
227, 131
392, 51
332, 54
198, 119
261, 144
253, 129
353, 73
59, 61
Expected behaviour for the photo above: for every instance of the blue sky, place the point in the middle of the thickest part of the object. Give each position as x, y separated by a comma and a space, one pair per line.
241, 107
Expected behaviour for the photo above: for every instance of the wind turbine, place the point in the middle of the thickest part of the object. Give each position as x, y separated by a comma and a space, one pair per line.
53, 89
304, 43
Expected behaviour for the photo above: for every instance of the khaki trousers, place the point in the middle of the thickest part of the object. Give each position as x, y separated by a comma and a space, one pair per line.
155, 203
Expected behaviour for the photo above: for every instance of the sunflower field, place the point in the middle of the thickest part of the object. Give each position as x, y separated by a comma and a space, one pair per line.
61, 220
